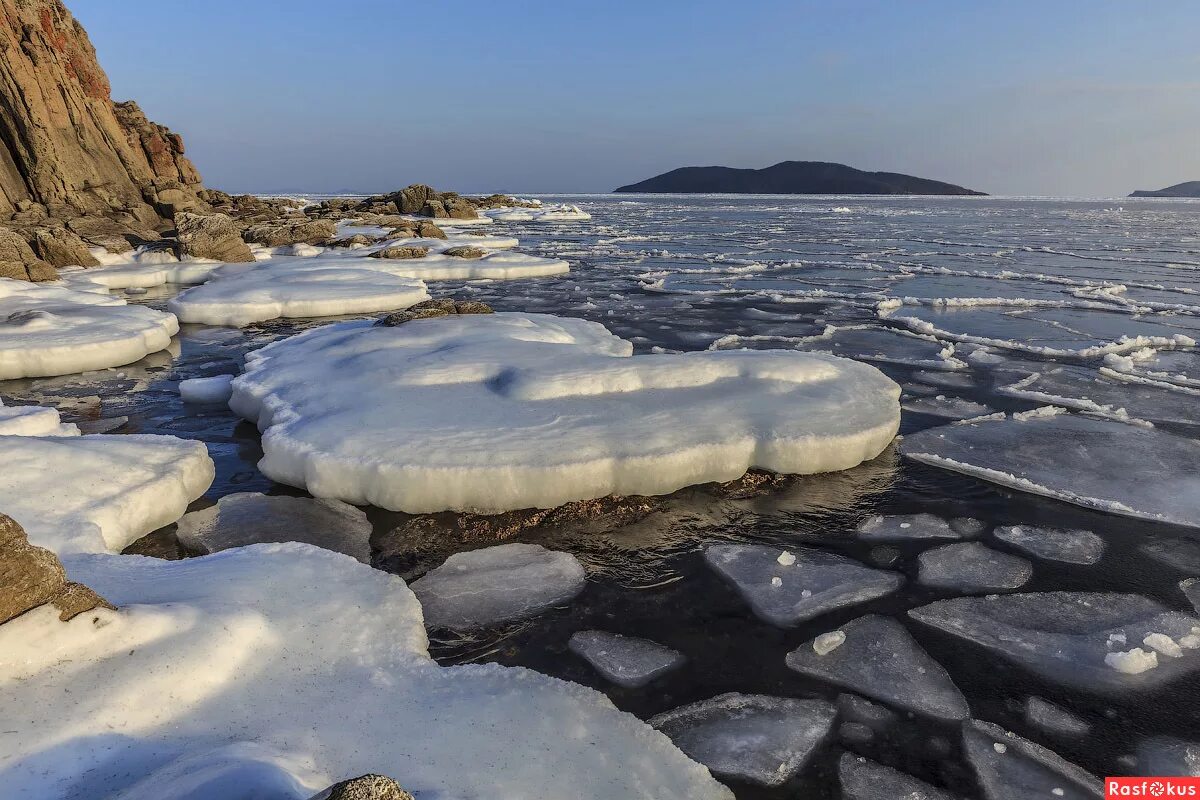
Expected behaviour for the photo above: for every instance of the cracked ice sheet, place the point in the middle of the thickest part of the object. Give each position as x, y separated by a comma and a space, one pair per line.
1109, 466
540, 410
289, 668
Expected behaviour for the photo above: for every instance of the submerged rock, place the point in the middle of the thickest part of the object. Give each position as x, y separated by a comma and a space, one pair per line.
497, 584
878, 658
1012, 768
972, 567
625, 660
754, 738
788, 594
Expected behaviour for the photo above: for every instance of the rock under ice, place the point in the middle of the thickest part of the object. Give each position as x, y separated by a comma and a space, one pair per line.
499, 412
497, 584
625, 660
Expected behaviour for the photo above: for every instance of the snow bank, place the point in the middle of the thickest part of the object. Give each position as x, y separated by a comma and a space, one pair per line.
94, 494
48, 329
275, 670
506, 411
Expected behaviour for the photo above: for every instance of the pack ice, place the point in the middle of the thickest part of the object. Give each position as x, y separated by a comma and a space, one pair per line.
497, 584
625, 660
499, 412
878, 658
558, 213
48, 329
276, 670
250, 518
786, 588
1110, 466
1091, 641
749, 737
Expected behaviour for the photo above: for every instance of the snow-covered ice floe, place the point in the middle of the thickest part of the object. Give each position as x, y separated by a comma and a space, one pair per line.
625, 660
34, 421
48, 329
215, 389
506, 411
750, 737
1109, 466
1091, 641
564, 212
144, 268
95, 494
276, 670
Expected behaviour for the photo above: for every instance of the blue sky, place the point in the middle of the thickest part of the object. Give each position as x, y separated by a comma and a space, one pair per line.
1065, 98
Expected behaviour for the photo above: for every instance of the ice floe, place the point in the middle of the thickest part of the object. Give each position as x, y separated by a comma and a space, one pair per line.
94, 494
54, 330
1012, 768
905, 527
266, 662
625, 660
884, 345
1054, 544
216, 389
251, 518
563, 212
946, 407
505, 411
878, 658
972, 567
1053, 719
1109, 466
862, 779
497, 584
1166, 755
1068, 637
34, 421
1082, 389
749, 737
817, 582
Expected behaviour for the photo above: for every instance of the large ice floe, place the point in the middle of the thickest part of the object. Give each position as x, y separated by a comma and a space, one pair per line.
790, 586
1012, 768
750, 737
142, 268
1109, 466
506, 411
1092, 641
48, 329
276, 670
563, 212
878, 658
862, 779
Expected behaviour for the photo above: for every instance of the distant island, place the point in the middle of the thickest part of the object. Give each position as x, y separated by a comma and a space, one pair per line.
792, 177
1188, 189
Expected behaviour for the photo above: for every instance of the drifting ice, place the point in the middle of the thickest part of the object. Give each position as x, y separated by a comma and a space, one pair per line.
972, 567
1054, 544
625, 660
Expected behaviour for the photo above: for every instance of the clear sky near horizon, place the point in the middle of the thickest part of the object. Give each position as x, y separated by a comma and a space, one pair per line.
1018, 97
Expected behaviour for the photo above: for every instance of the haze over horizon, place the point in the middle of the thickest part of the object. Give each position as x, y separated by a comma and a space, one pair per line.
1014, 98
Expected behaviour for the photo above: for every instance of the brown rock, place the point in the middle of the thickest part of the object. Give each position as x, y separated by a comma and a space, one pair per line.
435, 209
401, 252
437, 307
472, 307
284, 232
412, 199
365, 787
464, 251
62, 248
459, 208
428, 230
31, 577
211, 236
357, 239
18, 261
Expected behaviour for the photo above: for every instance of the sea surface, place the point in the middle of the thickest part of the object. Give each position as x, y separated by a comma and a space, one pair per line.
998, 288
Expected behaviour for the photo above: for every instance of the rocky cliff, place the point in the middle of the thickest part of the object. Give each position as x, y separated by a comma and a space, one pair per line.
66, 149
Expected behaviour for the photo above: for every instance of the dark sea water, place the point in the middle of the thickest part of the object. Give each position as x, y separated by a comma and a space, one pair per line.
1037, 281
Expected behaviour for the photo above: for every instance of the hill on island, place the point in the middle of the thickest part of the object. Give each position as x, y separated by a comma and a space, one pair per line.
1188, 189
791, 177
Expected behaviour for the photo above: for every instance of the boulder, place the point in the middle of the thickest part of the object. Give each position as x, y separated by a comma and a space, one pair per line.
365, 787
435, 209
62, 248
464, 251
31, 577
214, 236
412, 199
438, 307
357, 240
429, 230
285, 232
459, 208
399, 251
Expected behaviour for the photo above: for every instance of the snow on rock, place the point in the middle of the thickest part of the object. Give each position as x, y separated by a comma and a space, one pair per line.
94, 494
1166, 755
972, 567
293, 290
53, 330
1054, 544
1053, 719
625, 660
1012, 768
284, 659
816, 583
1109, 466
216, 389
33, 421
749, 737
862, 779
252, 518
497, 584
880, 660
499, 412
1067, 636
559, 213
905, 527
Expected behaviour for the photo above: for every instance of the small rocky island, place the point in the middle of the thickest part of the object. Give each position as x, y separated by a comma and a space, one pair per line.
791, 177
1185, 189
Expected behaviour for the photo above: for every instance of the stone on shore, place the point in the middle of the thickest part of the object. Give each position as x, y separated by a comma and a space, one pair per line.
31, 577
214, 236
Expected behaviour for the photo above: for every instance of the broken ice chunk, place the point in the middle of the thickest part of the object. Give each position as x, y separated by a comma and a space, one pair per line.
972, 567
625, 660
755, 738
786, 559
1054, 544
497, 584
818, 581
878, 658
1131, 662
1161, 643
216, 389
1012, 768
867, 780
828, 642
905, 527
1052, 719
1166, 755
945, 407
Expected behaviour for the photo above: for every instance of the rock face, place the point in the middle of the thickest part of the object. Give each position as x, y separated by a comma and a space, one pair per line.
17, 259
31, 577
213, 236
791, 177
66, 149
